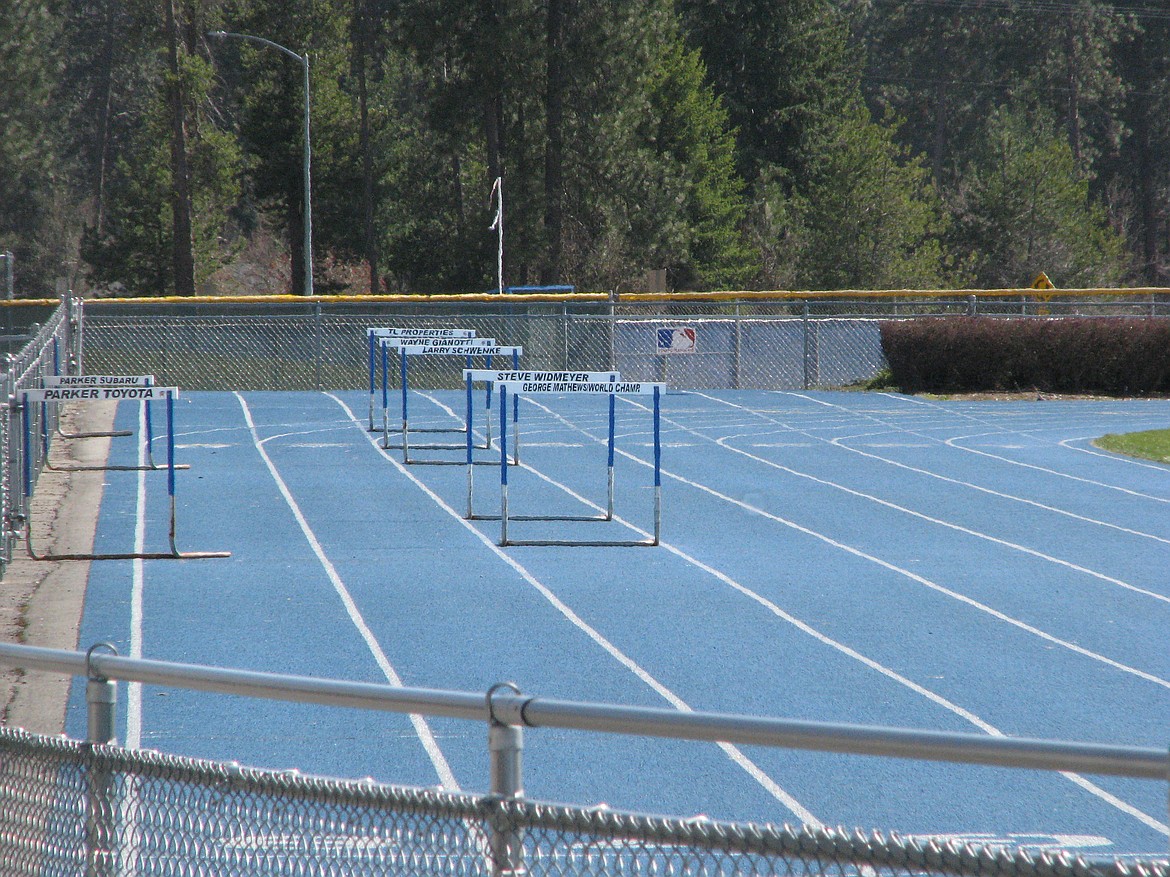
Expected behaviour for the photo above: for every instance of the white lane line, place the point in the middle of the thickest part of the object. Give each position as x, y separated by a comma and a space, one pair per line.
849, 652
723, 442
1035, 425
137, 587
954, 443
857, 552
839, 442
733, 752
425, 735
1109, 455
922, 580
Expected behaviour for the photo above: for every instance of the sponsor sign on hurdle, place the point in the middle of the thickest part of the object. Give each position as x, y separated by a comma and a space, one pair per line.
94, 389
94, 393
605, 384
387, 339
98, 381
390, 334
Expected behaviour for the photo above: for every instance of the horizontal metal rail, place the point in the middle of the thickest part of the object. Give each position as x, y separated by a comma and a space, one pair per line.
502, 707
593, 297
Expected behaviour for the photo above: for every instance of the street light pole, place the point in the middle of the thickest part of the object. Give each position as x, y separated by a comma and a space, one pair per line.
304, 59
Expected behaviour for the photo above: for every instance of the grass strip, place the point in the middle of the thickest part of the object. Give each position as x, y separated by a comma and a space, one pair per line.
1153, 444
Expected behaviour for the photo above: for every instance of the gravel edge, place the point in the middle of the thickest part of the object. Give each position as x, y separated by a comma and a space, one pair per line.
41, 601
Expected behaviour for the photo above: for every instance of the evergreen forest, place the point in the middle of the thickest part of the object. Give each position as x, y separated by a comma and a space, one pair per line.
152, 147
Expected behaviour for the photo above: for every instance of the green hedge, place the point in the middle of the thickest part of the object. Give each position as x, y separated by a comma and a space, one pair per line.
1123, 357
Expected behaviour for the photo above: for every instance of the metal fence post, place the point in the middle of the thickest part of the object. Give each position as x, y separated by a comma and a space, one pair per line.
318, 353
506, 748
612, 335
565, 328
735, 374
805, 324
101, 697
78, 351
9, 293
9, 504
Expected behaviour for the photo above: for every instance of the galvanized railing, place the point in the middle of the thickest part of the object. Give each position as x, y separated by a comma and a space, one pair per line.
42, 349
67, 807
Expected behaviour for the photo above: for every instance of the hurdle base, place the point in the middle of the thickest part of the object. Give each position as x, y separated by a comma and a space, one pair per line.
145, 555
54, 468
582, 518
577, 543
173, 554
117, 433
462, 447
430, 429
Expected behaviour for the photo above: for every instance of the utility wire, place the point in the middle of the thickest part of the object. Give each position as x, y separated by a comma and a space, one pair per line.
1059, 6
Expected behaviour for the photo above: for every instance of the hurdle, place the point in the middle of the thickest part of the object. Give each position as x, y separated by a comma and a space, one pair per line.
141, 393
388, 344
594, 383
373, 334
492, 377
78, 382
477, 347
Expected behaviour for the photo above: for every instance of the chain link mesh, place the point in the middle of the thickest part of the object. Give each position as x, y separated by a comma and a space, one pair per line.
777, 345
69, 808
299, 348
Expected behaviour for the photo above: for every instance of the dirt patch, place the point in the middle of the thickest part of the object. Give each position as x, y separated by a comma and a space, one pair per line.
41, 601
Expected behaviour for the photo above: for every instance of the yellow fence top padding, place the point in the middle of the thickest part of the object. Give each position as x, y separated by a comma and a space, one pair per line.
588, 297
833, 295
355, 299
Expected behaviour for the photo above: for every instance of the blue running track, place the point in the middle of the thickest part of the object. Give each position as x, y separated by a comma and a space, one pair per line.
867, 558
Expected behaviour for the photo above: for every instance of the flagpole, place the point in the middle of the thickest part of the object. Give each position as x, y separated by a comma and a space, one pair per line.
498, 226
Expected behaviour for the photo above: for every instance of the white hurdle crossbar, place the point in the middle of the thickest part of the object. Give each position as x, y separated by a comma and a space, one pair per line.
593, 383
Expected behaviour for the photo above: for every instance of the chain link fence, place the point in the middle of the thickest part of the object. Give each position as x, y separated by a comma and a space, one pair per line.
69, 808
290, 347
750, 344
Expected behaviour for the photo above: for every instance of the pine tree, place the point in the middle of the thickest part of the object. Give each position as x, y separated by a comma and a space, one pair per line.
162, 176
1026, 207
34, 188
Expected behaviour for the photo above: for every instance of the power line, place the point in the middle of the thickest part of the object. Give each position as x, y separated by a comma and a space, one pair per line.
1040, 6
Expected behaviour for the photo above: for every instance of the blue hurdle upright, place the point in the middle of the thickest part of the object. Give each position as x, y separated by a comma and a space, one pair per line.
376, 334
